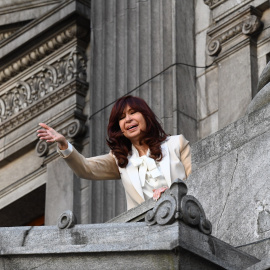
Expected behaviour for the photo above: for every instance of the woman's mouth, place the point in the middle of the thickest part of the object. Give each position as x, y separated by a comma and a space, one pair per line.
132, 127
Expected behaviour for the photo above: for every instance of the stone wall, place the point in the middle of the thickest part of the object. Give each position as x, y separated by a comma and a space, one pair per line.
232, 37
231, 179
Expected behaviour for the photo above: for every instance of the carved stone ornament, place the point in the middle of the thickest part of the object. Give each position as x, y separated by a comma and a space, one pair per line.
247, 27
42, 148
213, 3
251, 25
73, 129
6, 34
42, 51
66, 220
177, 205
29, 97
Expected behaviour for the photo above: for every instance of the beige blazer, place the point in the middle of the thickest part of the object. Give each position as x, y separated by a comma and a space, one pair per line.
176, 163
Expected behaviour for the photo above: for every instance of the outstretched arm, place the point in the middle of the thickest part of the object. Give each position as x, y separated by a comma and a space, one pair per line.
96, 168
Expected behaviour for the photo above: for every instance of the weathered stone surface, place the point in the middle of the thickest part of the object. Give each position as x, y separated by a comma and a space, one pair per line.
180, 240
263, 265
260, 249
263, 96
121, 246
231, 179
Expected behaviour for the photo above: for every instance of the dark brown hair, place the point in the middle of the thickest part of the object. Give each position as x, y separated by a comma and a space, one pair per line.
119, 144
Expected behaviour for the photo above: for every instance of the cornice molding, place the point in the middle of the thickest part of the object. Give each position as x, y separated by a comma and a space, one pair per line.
4, 9
40, 52
213, 3
43, 90
248, 23
6, 34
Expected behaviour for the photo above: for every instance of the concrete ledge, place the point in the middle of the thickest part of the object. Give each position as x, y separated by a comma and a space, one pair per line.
117, 241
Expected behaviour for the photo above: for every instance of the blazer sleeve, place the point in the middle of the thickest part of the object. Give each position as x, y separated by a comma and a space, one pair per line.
185, 154
102, 167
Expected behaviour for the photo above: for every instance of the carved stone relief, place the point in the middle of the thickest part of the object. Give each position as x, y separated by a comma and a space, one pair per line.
177, 205
248, 26
41, 91
42, 51
6, 34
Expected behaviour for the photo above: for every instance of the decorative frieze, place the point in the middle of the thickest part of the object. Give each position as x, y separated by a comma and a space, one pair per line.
75, 86
213, 3
53, 83
248, 25
6, 34
51, 77
42, 51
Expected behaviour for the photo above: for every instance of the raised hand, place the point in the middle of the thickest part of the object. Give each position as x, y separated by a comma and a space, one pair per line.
50, 135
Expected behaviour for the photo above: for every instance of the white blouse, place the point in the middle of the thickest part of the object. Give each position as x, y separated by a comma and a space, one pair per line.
150, 173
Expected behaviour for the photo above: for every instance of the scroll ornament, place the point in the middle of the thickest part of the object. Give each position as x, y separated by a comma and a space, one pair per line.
248, 27
177, 205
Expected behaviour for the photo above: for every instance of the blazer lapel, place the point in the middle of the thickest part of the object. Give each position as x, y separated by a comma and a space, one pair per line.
134, 177
165, 163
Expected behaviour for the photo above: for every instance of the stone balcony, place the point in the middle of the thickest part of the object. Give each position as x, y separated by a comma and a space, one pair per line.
174, 235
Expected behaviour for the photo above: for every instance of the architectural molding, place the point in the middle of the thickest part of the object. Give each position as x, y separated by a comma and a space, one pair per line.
28, 97
42, 51
214, 3
25, 5
177, 205
6, 34
75, 86
247, 23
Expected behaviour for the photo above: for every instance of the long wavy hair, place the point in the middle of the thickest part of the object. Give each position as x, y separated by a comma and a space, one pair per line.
154, 134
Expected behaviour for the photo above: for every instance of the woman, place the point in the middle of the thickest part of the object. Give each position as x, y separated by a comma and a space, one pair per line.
142, 154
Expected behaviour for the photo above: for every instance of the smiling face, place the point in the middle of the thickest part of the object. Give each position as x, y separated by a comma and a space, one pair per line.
132, 124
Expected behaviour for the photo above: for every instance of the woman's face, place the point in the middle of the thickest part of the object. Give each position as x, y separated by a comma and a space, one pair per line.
132, 124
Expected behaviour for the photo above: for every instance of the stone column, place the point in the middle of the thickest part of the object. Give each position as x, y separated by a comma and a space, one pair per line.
132, 42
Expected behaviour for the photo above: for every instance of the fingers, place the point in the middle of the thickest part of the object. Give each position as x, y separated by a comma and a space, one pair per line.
44, 126
45, 133
50, 135
157, 193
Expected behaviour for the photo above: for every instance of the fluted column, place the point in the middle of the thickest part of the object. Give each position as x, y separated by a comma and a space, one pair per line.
131, 42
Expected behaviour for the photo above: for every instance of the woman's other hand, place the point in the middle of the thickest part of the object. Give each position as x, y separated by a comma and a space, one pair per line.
50, 135
158, 192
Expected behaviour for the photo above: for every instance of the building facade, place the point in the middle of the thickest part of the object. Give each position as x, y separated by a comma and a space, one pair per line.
196, 63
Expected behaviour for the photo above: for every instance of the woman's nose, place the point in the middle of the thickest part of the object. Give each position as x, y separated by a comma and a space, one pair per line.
128, 117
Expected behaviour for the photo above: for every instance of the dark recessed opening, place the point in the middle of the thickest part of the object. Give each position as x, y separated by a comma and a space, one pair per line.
28, 210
